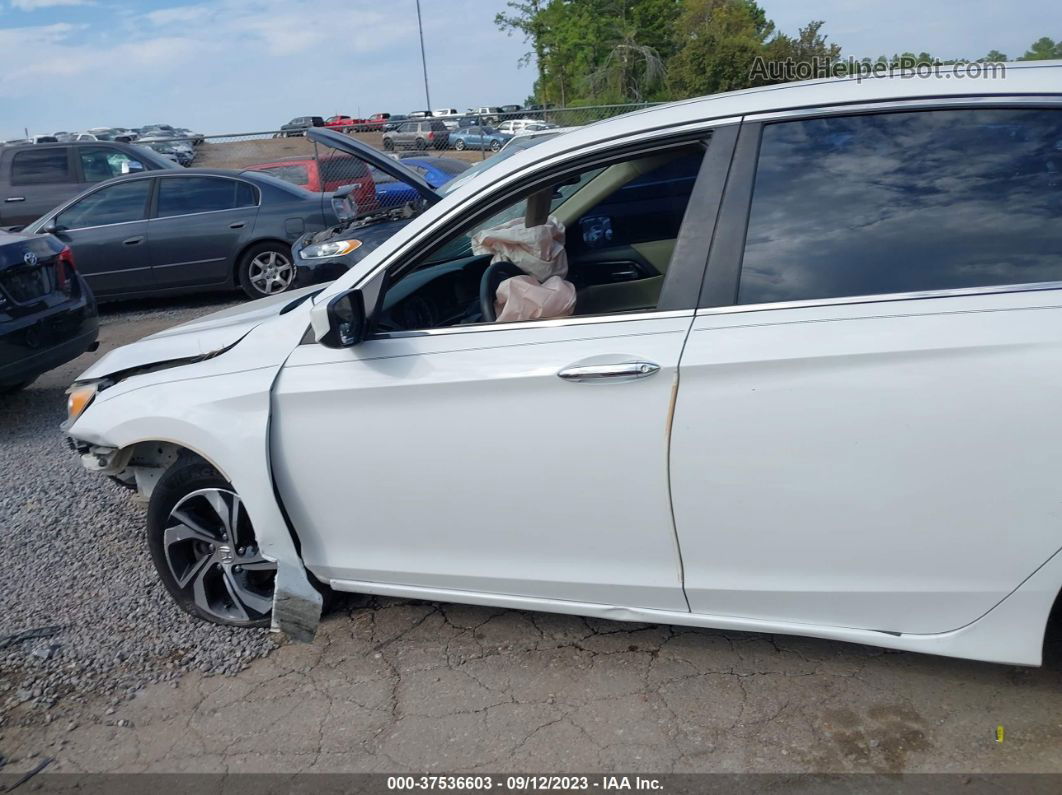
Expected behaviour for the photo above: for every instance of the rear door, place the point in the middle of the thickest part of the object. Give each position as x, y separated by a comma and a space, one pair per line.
38, 179
866, 433
198, 226
107, 231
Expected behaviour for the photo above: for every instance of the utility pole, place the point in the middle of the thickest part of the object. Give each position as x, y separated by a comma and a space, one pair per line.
423, 59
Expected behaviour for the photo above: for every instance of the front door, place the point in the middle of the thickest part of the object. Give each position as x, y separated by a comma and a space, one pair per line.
464, 461
457, 453
107, 232
867, 437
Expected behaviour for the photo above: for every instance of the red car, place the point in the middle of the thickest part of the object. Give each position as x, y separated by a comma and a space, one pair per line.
326, 174
343, 123
374, 123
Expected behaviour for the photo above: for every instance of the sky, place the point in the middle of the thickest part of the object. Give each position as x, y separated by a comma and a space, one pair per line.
227, 66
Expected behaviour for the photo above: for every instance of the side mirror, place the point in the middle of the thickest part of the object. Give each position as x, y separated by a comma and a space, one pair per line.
346, 322
52, 228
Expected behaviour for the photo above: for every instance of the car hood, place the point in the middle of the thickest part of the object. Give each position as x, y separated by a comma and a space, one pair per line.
198, 339
375, 158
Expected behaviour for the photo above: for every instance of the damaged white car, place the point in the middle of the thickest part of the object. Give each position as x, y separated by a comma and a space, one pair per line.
784, 360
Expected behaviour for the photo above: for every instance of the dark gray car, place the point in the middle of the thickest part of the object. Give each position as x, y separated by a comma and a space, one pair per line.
185, 230
34, 179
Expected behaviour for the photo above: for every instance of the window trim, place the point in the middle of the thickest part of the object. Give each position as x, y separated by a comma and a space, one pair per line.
687, 267
720, 290
104, 186
574, 320
882, 298
154, 205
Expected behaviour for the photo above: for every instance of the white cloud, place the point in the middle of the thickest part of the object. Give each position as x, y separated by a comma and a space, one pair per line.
230, 65
177, 14
30, 38
33, 5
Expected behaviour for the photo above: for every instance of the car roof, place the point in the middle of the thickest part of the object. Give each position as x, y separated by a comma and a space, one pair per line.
179, 172
1032, 78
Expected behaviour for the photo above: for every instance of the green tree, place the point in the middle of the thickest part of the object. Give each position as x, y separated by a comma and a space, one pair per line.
994, 56
717, 42
809, 46
1044, 49
590, 51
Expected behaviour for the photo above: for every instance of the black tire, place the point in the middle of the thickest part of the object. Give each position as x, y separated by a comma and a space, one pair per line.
420, 144
254, 264
389, 145
459, 144
183, 479
495, 146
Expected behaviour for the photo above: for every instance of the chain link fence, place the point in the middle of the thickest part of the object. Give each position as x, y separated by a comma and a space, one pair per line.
438, 148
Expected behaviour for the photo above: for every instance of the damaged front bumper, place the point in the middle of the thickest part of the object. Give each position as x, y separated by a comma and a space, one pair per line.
297, 604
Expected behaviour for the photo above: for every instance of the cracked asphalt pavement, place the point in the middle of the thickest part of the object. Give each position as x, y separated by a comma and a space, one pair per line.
404, 686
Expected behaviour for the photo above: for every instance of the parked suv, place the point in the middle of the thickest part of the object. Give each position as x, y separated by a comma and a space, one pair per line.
34, 179
418, 135
324, 175
300, 124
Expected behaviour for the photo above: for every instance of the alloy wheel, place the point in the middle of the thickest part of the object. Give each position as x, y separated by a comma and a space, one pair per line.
210, 548
271, 272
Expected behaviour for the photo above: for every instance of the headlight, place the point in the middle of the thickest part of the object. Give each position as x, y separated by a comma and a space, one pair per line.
334, 249
78, 399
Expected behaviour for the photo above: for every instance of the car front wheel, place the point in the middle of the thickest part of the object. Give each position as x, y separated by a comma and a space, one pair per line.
266, 269
204, 548
459, 144
495, 146
389, 145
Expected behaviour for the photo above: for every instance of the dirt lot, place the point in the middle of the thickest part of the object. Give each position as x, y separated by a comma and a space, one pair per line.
242, 153
397, 685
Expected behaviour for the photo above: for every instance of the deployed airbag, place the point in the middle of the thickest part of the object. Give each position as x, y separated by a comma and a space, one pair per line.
539, 252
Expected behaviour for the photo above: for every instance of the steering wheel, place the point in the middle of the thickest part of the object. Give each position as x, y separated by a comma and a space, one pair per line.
493, 276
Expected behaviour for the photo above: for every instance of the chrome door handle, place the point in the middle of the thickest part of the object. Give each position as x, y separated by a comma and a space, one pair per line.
610, 373
15, 199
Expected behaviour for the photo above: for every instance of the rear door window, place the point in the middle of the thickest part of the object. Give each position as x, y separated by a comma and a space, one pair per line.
41, 167
246, 195
905, 202
114, 204
187, 195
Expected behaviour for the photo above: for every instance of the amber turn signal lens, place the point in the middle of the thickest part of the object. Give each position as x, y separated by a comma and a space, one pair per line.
78, 400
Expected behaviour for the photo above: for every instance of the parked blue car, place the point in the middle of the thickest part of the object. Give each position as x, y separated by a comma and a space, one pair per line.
478, 138
436, 171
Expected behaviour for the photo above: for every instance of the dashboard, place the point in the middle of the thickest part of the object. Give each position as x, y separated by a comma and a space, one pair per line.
444, 294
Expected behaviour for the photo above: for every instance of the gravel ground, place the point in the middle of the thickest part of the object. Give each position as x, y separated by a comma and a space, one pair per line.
83, 611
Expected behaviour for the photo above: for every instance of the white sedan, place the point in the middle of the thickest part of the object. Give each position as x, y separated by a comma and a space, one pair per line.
809, 384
